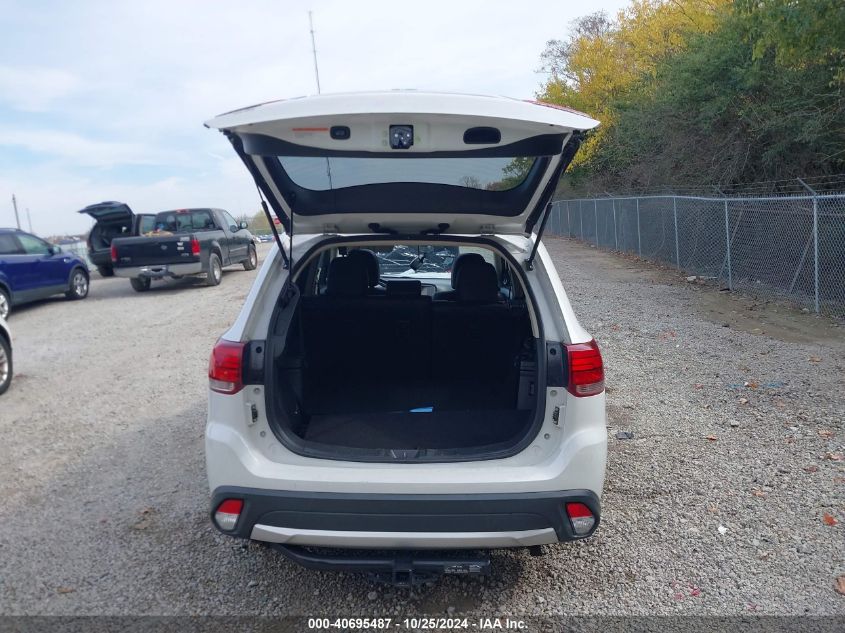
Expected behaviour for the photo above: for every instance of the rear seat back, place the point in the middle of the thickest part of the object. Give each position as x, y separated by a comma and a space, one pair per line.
474, 341
348, 331
476, 336
404, 335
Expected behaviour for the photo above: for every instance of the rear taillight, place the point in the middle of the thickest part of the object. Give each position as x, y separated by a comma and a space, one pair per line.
195, 246
581, 517
227, 513
586, 370
114, 253
225, 367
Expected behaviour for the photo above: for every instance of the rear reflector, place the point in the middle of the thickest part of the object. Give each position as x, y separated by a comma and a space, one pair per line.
586, 370
225, 367
114, 253
227, 514
581, 517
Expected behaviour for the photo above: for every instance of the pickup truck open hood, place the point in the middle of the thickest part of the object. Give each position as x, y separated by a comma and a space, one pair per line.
405, 161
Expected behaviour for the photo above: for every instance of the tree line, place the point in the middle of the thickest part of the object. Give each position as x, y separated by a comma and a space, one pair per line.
694, 93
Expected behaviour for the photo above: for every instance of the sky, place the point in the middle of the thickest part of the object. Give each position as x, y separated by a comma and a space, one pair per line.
105, 100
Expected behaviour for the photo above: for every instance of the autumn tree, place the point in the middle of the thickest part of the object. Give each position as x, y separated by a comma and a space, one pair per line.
694, 92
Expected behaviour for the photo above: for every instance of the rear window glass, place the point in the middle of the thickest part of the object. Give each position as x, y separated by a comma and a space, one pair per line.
9, 245
490, 173
411, 260
182, 221
147, 224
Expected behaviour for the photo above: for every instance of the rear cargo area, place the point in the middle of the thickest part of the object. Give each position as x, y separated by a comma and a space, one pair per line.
380, 373
426, 414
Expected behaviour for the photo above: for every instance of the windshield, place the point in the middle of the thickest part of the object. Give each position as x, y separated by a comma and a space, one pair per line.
403, 260
490, 173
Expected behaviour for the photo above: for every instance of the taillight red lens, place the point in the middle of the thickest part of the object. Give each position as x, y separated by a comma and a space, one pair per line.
586, 369
227, 514
225, 367
114, 253
195, 246
577, 510
581, 517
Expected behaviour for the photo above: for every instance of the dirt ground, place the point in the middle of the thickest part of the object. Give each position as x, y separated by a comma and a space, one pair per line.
729, 499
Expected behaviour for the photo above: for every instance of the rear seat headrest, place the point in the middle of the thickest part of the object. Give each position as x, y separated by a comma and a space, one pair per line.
347, 278
369, 261
478, 282
460, 262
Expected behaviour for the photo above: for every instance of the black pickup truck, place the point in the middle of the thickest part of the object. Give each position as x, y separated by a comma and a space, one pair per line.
184, 242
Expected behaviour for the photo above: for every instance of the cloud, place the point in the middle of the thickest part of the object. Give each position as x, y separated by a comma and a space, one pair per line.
105, 100
53, 195
85, 152
35, 89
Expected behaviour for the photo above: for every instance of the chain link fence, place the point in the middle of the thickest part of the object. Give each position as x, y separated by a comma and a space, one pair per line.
789, 247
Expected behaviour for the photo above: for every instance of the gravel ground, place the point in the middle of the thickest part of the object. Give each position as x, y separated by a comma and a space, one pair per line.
716, 505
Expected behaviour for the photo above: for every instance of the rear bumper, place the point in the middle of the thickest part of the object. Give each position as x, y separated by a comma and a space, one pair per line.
388, 521
100, 257
159, 271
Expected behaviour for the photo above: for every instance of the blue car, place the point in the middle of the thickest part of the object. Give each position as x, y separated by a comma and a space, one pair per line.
32, 269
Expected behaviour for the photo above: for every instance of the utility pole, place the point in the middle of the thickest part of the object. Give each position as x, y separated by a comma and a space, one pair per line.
314, 51
29, 219
317, 75
15, 205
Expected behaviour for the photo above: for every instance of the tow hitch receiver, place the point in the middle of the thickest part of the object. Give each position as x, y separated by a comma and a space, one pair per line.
400, 569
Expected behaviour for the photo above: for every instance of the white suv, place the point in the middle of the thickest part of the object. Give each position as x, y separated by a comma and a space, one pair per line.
407, 372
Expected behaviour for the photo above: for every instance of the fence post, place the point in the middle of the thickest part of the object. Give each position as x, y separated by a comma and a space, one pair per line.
596, 214
675, 213
581, 216
816, 248
728, 243
639, 238
568, 220
615, 236
815, 243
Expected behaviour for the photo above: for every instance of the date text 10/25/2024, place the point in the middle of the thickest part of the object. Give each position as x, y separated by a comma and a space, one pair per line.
417, 624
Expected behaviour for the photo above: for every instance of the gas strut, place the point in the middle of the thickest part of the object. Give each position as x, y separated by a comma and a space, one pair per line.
529, 263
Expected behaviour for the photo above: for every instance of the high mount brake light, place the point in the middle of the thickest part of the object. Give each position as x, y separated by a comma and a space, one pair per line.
586, 369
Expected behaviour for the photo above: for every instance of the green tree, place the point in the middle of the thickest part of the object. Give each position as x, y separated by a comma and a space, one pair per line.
706, 92
258, 223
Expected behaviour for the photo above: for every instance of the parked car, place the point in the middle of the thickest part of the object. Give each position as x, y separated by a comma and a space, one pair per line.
363, 400
112, 219
32, 269
5, 356
184, 242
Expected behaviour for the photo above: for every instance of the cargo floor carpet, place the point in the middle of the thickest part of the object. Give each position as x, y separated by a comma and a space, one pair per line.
409, 430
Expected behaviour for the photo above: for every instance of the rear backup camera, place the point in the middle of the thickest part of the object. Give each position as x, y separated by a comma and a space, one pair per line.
401, 136
339, 132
